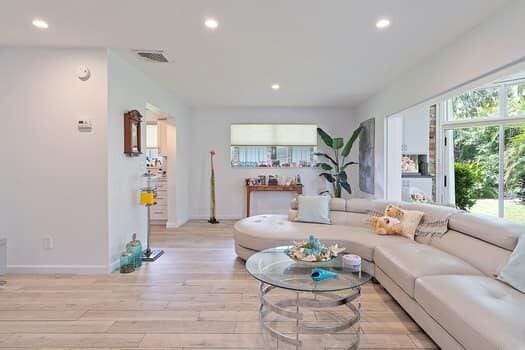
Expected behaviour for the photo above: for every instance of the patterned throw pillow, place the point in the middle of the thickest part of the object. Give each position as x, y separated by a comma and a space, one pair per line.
409, 222
434, 228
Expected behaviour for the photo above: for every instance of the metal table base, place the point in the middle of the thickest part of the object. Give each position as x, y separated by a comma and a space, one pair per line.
319, 301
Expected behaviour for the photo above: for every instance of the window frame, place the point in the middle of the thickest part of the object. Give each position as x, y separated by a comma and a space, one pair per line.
446, 126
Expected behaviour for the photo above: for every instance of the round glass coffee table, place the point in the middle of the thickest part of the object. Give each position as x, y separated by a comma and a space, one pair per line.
320, 311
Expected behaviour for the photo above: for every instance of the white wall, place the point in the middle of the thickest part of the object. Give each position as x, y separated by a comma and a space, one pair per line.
494, 45
54, 178
131, 89
211, 130
76, 187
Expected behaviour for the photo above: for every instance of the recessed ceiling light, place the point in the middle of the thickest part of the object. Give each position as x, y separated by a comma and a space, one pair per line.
211, 23
276, 86
40, 23
383, 23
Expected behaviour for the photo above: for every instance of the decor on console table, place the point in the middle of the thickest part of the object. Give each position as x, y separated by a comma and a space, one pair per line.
313, 250
212, 220
335, 171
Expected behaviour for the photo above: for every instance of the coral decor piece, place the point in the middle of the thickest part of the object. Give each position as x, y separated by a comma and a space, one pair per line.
313, 250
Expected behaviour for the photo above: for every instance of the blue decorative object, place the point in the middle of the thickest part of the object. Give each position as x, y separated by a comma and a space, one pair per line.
135, 248
319, 274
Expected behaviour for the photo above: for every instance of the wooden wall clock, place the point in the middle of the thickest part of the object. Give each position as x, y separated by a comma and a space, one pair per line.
132, 133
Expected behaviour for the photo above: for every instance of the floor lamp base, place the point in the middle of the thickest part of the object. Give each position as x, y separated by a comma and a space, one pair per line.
213, 221
152, 255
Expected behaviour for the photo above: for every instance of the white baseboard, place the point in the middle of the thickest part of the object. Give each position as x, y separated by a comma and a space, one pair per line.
175, 224
115, 265
58, 269
220, 216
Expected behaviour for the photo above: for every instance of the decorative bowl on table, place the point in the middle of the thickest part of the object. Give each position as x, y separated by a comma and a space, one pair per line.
313, 251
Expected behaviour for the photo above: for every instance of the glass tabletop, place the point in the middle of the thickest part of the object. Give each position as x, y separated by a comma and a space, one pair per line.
273, 266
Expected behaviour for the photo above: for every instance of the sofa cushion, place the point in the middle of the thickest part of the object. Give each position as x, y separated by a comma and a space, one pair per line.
484, 256
268, 231
478, 311
406, 262
497, 231
363, 205
336, 204
432, 212
339, 218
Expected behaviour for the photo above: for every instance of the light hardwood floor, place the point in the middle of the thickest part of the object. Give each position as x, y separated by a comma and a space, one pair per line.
197, 296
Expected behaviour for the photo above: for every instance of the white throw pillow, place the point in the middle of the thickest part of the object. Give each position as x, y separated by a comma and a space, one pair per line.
514, 272
314, 209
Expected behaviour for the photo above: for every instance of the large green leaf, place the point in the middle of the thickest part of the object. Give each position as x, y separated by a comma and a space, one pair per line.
346, 186
348, 147
347, 164
323, 166
341, 176
337, 143
326, 156
328, 177
327, 139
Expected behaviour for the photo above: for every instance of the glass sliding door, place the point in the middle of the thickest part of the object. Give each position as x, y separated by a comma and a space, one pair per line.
475, 168
514, 173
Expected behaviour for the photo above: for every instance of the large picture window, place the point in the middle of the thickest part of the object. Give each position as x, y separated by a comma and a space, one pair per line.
273, 145
484, 150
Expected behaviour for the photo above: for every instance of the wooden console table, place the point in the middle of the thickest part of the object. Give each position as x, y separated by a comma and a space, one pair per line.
269, 188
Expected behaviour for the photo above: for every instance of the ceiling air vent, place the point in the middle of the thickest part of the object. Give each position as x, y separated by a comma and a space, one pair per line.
152, 55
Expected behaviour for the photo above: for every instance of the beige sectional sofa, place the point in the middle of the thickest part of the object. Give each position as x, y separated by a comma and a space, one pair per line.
447, 284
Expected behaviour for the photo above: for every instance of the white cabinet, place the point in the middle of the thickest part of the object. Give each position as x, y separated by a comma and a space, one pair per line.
160, 210
416, 184
415, 131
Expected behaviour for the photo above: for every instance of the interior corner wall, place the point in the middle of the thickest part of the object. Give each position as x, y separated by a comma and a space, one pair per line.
53, 176
130, 89
494, 45
211, 131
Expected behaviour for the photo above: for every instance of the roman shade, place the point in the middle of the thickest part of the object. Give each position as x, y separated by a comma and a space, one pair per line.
273, 135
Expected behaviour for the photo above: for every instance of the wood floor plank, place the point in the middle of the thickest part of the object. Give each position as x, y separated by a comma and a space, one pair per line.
74, 340
140, 315
226, 340
173, 326
55, 326
174, 304
38, 315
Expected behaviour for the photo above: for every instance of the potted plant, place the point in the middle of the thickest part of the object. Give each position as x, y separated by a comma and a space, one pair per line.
334, 167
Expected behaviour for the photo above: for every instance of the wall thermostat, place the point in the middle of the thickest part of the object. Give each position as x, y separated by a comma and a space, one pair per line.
83, 73
85, 125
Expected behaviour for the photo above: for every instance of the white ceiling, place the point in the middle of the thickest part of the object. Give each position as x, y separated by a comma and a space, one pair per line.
321, 52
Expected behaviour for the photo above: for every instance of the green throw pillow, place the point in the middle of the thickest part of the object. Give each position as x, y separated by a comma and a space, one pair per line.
315, 209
